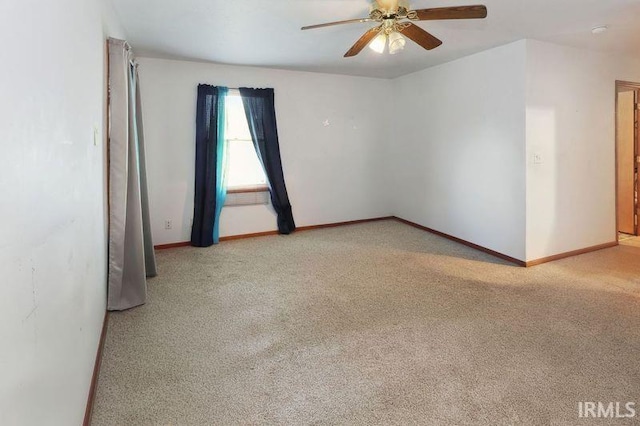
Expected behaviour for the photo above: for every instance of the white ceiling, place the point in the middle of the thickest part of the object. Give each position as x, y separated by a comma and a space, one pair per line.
267, 32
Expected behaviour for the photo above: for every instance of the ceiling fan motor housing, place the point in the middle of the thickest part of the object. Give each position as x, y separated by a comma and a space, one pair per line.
389, 6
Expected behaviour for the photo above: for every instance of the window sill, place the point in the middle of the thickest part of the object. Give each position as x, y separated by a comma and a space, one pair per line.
242, 190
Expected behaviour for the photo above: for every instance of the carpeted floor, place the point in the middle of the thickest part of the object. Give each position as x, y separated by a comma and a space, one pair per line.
378, 323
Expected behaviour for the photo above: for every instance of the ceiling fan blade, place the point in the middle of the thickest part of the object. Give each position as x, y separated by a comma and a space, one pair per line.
421, 37
363, 41
456, 12
329, 24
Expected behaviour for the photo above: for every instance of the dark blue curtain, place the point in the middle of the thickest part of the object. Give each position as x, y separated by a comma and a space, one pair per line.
261, 115
209, 185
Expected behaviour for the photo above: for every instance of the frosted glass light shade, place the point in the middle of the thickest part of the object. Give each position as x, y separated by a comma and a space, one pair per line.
378, 44
396, 43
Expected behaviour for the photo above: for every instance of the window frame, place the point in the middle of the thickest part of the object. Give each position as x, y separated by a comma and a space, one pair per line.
245, 189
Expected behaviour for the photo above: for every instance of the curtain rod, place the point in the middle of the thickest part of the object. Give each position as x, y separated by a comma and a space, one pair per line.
235, 89
231, 89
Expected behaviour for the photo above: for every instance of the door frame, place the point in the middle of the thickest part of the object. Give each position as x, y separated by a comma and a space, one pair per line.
636, 87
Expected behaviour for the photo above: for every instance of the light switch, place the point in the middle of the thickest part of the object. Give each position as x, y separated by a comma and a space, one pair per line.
537, 158
96, 135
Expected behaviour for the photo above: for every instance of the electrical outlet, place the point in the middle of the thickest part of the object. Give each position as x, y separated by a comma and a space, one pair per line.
168, 224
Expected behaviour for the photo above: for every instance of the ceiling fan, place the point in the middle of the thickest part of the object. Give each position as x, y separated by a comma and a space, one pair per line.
395, 20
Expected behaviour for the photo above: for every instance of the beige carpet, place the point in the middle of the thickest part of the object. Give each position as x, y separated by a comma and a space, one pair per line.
378, 323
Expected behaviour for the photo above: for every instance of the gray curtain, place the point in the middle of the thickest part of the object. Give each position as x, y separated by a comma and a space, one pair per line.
131, 256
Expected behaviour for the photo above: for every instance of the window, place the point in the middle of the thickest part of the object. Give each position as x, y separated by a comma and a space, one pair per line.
244, 171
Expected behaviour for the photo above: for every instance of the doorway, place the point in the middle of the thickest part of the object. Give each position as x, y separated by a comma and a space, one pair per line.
627, 156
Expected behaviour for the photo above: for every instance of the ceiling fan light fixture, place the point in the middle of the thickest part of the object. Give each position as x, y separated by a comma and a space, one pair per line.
396, 42
395, 16
379, 43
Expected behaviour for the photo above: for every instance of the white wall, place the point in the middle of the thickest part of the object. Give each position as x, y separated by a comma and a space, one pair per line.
53, 245
458, 149
450, 147
571, 126
332, 172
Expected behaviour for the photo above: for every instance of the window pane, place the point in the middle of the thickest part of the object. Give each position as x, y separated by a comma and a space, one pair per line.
237, 126
243, 165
